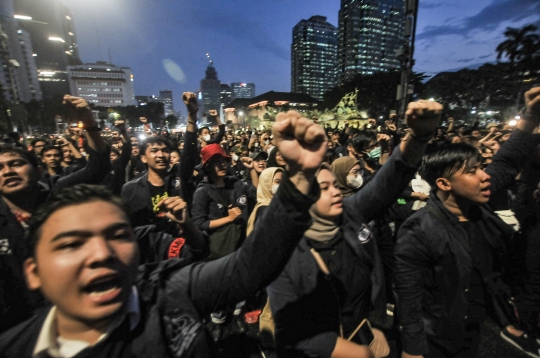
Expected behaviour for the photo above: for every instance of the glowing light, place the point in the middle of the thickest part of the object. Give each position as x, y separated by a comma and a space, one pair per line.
142, 137
432, 99
22, 17
512, 123
517, 117
473, 112
489, 112
57, 39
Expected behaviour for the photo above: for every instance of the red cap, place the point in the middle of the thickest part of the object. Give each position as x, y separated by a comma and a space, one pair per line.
210, 151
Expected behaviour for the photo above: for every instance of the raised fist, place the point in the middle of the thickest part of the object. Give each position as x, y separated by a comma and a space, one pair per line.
301, 142
532, 101
423, 116
143, 120
213, 112
190, 99
80, 110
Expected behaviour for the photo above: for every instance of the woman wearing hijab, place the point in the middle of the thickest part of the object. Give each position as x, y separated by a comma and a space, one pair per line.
348, 177
335, 276
268, 185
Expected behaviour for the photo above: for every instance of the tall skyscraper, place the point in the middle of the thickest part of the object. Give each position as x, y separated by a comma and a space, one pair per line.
18, 73
226, 93
50, 26
165, 97
370, 32
210, 90
242, 90
314, 57
102, 83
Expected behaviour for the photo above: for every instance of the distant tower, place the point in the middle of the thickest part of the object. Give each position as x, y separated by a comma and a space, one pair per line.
242, 90
225, 94
166, 98
370, 32
314, 57
210, 90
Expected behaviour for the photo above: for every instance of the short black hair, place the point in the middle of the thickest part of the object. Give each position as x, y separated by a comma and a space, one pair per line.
27, 155
446, 160
201, 129
34, 141
154, 140
362, 141
49, 147
75, 195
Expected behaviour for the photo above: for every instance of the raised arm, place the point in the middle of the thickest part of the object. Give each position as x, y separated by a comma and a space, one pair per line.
519, 148
265, 252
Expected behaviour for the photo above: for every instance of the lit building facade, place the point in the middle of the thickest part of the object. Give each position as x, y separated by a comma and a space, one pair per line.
314, 57
165, 97
242, 90
52, 32
210, 91
370, 32
226, 93
103, 84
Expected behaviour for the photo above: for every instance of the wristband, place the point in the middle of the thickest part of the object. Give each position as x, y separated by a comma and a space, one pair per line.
425, 138
92, 129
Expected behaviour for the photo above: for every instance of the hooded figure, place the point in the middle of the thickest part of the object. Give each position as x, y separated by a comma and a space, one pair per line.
348, 180
265, 193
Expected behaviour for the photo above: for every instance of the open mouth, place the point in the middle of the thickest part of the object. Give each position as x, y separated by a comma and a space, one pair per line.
11, 181
161, 162
105, 288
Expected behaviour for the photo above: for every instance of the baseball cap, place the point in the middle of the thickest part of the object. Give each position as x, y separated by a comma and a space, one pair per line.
256, 155
210, 151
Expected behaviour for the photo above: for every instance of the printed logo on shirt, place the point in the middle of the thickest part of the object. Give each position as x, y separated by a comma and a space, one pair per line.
364, 234
176, 247
219, 206
4, 247
242, 200
176, 183
156, 199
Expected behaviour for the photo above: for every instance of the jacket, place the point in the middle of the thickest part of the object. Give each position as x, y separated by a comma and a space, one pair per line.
175, 299
434, 264
136, 193
302, 302
206, 207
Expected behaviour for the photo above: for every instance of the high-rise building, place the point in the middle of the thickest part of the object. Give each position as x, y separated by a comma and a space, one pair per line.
210, 91
242, 90
370, 32
165, 97
314, 57
50, 26
226, 93
102, 83
18, 74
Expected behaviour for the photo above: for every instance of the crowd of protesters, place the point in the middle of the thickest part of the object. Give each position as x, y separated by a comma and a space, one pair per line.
126, 246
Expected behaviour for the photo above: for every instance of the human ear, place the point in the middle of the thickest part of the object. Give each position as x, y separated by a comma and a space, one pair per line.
143, 159
443, 184
31, 272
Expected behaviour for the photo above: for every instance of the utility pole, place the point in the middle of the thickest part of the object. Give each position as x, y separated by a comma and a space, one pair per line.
406, 53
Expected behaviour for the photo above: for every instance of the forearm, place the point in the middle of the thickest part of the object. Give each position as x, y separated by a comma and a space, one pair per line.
95, 141
254, 177
192, 122
74, 151
412, 149
216, 224
194, 237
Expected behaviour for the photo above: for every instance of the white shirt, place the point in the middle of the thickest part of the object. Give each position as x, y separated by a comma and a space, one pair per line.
49, 343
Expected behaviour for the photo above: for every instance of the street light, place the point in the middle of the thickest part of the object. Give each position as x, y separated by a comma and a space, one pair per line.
56, 39
22, 17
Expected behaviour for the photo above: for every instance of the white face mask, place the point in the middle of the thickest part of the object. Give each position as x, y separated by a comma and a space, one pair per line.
235, 157
256, 144
355, 182
266, 142
275, 188
206, 138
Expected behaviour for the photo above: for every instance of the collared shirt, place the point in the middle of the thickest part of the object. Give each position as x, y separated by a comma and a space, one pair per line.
50, 344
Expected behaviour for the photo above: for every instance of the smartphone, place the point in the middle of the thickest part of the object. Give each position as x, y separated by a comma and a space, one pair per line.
363, 334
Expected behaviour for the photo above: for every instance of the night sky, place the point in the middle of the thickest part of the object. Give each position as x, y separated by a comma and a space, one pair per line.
165, 42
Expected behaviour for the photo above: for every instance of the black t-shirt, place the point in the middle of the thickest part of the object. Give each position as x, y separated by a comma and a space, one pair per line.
157, 193
353, 277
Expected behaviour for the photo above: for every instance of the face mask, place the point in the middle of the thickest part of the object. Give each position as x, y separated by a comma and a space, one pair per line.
266, 142
275, 188
355, 182
235, 157
256, 144
206, 138
375, 153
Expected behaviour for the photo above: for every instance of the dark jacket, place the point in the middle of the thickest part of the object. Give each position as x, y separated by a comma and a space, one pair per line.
15, 301
206, 207
136, 193
303, 304
116, 178
434, 264
174, 302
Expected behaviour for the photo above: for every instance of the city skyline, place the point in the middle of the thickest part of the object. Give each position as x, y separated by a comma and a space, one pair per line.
166, 43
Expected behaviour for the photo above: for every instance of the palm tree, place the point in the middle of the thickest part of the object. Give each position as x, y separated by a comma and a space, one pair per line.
518, 43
